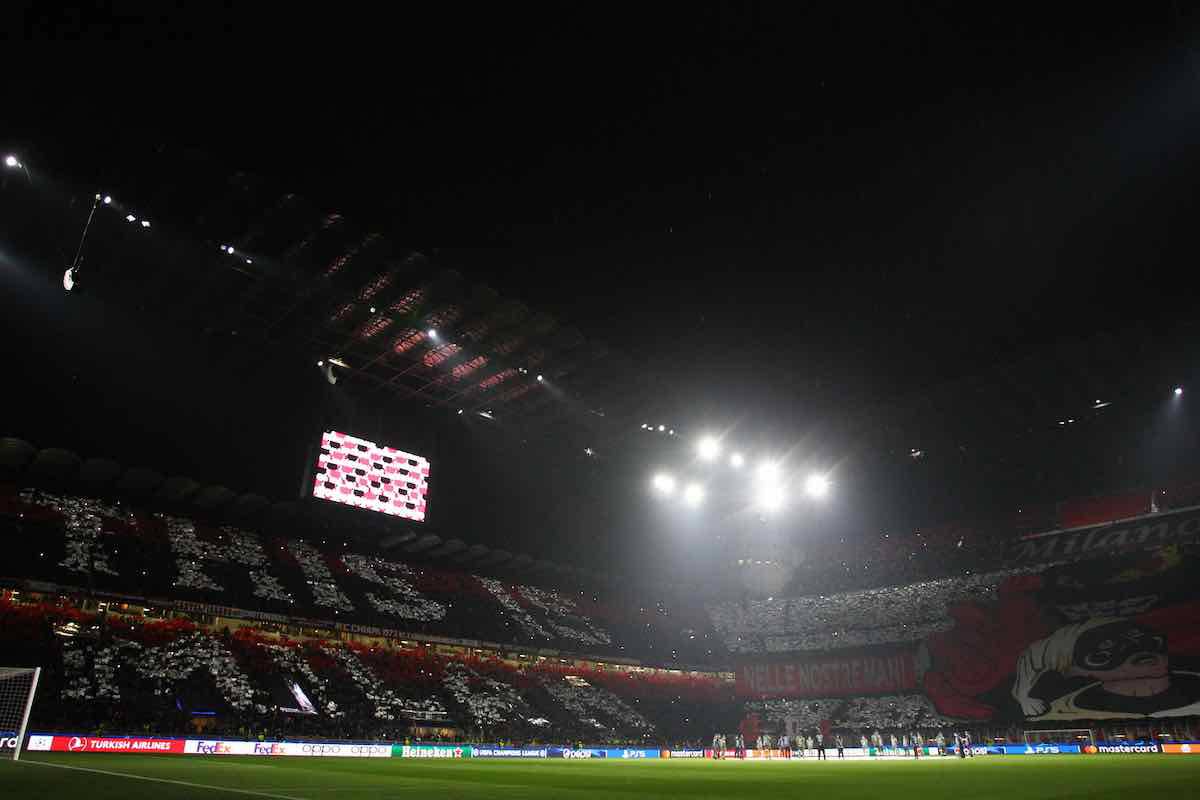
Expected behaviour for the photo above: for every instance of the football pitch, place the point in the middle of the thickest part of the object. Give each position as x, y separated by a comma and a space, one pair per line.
121, 777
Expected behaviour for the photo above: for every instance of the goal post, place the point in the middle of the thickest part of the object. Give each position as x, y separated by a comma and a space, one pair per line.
1080, 736
18, 685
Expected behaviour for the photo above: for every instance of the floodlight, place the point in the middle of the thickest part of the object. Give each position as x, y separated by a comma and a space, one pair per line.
693, 495
768, 472
708, 448
770, 497
664, 483
817, 485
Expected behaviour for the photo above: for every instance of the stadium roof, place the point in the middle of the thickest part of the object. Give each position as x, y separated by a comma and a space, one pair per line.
272, 278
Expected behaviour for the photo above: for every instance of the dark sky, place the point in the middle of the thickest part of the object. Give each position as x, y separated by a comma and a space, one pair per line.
782, 212
795, 206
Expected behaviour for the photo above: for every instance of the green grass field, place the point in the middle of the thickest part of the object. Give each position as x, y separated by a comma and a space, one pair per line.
121, 777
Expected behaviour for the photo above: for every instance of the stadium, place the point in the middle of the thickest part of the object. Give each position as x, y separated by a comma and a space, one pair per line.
573, 440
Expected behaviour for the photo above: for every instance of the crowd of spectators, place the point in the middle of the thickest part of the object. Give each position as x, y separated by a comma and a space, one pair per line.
853, 619
597, 707
897, 587
895, 556
110, 547
156, 674
171, 676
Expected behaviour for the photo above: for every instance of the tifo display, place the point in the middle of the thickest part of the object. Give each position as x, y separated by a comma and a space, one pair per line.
199, 627
363, 474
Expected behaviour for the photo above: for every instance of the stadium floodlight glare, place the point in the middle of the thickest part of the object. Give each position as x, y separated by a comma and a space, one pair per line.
108, 199
662, 428
69, 279
11, 161
130, 218
693, 495
540, 378
145, 223
768, 472
708, 448
816, 485
770, 497
1178, 391
737, 460
431, 333
663, 483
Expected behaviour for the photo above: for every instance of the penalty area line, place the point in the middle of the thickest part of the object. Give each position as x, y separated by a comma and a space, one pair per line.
131, 776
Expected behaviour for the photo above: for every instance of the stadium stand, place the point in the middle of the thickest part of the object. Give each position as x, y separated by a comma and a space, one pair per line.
155, 621
105, 546
111, 671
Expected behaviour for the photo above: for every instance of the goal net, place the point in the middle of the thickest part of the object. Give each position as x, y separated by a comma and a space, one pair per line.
1079, 736
17, 687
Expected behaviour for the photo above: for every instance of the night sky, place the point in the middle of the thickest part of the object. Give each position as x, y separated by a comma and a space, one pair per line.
785, 216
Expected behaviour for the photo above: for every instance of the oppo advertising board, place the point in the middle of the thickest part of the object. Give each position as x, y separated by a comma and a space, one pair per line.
363, 474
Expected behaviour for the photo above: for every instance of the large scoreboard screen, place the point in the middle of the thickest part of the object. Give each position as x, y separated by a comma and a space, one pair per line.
359, 473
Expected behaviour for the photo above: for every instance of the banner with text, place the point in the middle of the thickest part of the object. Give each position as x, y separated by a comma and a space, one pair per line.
1147, 531
830, 676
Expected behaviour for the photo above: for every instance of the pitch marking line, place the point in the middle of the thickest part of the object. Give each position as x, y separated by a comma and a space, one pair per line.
131, 776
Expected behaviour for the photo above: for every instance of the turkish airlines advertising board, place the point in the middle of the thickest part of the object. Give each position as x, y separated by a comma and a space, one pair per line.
105, 744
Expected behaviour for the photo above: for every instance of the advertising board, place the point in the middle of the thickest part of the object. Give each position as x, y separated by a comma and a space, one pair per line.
431, 751
105, 744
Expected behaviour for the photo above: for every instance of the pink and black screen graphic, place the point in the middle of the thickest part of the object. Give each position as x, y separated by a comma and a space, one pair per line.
363, 474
